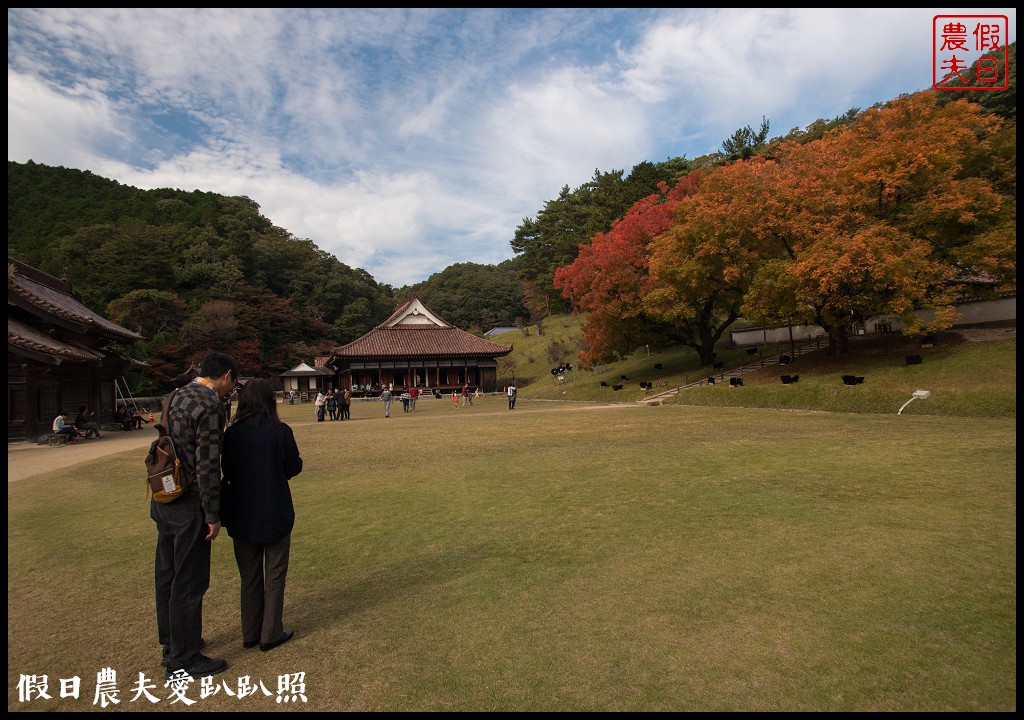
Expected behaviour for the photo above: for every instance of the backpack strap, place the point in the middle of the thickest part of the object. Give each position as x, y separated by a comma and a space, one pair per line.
164, 428
165, 418
165, 415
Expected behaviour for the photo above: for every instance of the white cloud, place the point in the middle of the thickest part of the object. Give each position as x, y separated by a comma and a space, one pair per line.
58, 127
405, 140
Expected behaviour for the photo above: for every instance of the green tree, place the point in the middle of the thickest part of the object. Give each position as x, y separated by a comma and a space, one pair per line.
553, 239
120, 247
999, 102
746, 142
213, 325
474, 297
148, 312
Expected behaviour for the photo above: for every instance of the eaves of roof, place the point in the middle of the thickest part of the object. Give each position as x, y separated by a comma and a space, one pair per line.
21, 336
33, 288
420, 342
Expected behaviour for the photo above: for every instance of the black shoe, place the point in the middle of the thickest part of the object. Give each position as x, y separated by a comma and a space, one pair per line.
271, 645
247, 644
167, 663
202, 666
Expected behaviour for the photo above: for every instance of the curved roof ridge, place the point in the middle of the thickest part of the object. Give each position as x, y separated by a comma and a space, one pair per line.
56, 297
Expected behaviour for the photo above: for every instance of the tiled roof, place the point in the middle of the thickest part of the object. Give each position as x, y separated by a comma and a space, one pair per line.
20, 335
55, 297
420, 341
411, 332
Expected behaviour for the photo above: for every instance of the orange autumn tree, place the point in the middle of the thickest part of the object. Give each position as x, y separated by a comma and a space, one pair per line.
879, 218
886, 216
822, 259
992, 252
882, 217
887, 207
609, 277
703, 264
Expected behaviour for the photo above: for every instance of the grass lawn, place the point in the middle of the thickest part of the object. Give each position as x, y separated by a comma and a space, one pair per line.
569, 556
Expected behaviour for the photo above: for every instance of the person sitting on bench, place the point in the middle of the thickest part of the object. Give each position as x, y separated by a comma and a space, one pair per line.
61, 427
123, 418
86, 423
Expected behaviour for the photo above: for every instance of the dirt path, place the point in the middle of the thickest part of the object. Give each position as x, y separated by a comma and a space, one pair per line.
27, 459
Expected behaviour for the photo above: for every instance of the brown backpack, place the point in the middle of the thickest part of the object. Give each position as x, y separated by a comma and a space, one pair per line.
165, 477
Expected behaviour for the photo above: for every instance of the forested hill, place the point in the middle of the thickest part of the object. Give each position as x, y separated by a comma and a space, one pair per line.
189, 270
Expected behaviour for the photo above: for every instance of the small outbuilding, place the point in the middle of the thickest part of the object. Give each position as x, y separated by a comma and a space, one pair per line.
304, 379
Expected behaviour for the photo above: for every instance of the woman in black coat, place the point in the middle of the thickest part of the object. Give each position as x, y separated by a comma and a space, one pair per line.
258, 459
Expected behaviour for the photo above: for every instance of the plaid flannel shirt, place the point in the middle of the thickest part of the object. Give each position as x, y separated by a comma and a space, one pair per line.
197, 418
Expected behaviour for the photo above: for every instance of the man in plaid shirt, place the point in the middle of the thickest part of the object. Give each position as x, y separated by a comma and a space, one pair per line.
195, 418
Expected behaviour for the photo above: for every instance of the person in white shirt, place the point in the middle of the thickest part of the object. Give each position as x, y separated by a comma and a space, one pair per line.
61, 427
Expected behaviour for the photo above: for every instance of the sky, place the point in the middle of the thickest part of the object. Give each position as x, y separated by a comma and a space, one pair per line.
403, 141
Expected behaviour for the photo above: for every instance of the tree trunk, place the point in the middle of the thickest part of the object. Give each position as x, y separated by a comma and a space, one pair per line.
706, 352
838, 340
705, 346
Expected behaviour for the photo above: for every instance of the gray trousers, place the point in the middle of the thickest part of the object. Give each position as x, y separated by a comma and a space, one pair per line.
262, 569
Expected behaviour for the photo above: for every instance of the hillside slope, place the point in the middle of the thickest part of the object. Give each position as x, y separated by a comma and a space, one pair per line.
969, 372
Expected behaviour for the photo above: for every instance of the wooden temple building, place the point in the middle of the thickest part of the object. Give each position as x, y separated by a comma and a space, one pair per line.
307, 380
60, 354
416, 347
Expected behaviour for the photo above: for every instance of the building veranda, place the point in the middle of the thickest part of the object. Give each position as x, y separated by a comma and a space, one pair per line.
60, 354
415, 347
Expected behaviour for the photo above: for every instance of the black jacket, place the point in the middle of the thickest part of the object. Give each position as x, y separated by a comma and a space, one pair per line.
257, 462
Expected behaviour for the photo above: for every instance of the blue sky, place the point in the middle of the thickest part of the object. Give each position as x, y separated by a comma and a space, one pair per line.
405, 140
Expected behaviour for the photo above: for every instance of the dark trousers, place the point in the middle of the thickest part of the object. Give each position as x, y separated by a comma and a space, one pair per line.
346, 411
262, 569
182, 576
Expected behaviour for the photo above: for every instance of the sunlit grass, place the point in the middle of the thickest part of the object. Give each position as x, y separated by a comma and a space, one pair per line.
970, 379
572, 557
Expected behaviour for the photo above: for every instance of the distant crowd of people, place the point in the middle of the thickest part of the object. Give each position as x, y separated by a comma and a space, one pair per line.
336, 404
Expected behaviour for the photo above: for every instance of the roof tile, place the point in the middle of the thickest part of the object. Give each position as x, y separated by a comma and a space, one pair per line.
420, 341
